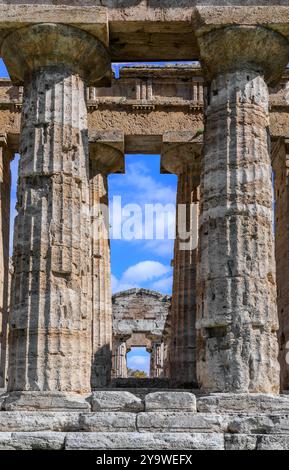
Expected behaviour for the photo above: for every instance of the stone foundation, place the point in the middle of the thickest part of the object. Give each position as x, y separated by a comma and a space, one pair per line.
159, 420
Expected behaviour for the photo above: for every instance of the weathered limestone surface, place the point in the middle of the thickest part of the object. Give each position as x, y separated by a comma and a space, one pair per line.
280, 165
32, 440
38, 400
5, 186
237, 316
115, 401
165, 421
50, 321
177, 401
246, 403
169, 441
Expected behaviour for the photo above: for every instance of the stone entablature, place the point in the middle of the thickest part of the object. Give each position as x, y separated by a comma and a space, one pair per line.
144, 103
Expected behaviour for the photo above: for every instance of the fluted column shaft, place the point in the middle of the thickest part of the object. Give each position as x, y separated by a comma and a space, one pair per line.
157, 359
50, 317
183, 354
237, 314
101, 281
5, 189
119, 359
280, 162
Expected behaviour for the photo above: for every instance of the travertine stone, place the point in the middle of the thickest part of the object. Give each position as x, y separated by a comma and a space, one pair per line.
260, 424
166, 421
184, 159
152, 441
32, 440
237, 316
113, 421
106, 156
5, 187
39, 400
280, 164
50, 321
32, 421
115, 401
256, 442
175, 401
242, 403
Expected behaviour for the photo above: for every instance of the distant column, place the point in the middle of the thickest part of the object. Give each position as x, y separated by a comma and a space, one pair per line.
5, 190
157, 359
106, 156
280, 163
119, 359
181, 155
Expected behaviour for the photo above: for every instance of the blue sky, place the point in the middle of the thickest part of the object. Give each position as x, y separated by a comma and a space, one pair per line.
134, 263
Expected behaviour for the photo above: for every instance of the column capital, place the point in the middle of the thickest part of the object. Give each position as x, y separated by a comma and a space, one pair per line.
227, 49
43, 45
106, 152
181, 151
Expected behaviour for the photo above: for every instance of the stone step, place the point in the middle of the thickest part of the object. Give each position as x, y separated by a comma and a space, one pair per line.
140, 441
144, 422
132, 382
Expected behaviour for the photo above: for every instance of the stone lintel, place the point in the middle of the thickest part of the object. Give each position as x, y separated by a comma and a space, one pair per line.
106, 151
92, 19
181, 150
208, 18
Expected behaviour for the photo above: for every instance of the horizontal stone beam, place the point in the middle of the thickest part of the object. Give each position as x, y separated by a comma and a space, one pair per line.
145, 31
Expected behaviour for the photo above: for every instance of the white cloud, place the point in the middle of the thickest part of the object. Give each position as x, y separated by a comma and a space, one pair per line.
144, 189
145, 271
147, 274
163, 285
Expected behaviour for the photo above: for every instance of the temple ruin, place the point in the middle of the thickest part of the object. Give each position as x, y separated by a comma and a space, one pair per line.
220, 345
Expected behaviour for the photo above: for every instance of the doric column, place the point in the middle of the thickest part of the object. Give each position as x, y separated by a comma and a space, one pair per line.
157, 359
119, 369
50, 321
237, 315
106, 156
183, 158
5, 189
280, 163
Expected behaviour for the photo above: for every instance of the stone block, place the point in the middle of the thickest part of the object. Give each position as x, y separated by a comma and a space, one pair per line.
108, 422
32, 421
174, 401
240, 442
50, 401
243, 402
180, 422
260, 424
32, 440
115, 401
146, 441
256, 442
